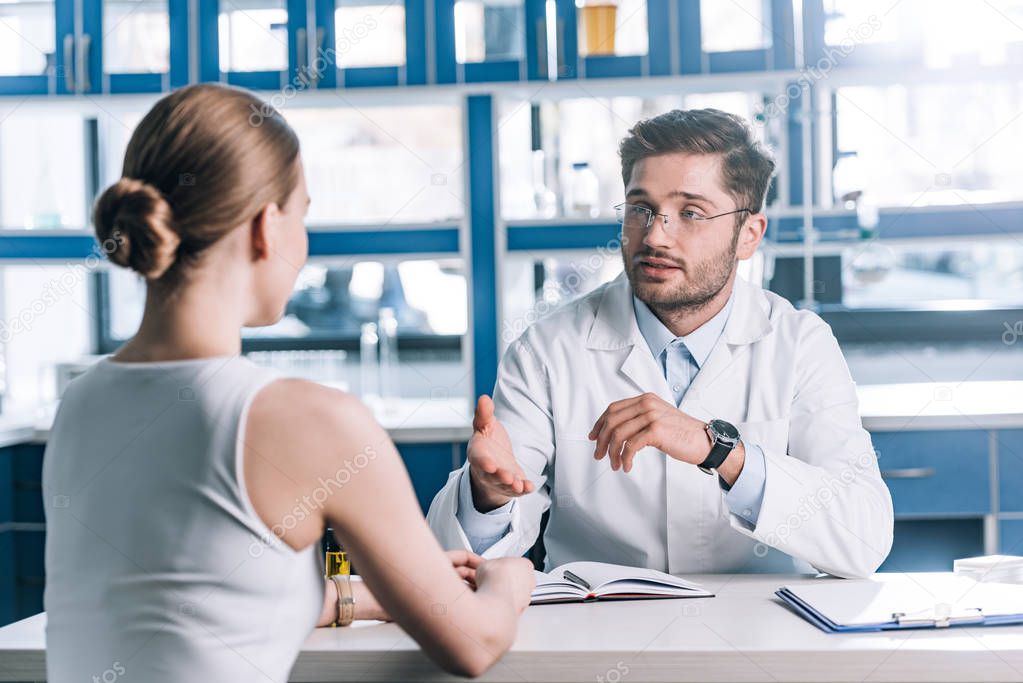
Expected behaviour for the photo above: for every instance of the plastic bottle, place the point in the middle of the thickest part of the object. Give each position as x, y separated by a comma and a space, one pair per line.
583, 192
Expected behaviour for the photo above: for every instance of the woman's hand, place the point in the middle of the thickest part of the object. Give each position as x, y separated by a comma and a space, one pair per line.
510, 577
465, 563
367, 607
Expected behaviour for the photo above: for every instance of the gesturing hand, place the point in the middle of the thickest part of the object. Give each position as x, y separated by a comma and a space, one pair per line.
648, 420
495, 475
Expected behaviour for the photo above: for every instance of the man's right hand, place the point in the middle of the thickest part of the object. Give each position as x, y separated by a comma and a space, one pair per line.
495, 475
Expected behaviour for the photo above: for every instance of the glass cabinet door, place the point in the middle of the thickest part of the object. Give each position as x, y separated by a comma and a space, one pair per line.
491, 40
28, 42
143, 45
258, 44
741, 35
362, 43
42, 169
420, 146
616, 38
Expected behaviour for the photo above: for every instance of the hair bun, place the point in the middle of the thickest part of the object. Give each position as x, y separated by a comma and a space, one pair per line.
134, 225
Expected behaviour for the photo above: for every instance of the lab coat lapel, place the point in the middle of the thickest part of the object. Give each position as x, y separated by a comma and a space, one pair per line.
747, 323
615, 328
712, 378
644, 371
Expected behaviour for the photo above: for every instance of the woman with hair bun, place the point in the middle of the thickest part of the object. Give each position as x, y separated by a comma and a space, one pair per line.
186, 489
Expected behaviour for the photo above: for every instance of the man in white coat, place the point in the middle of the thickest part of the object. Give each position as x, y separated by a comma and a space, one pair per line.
612, 411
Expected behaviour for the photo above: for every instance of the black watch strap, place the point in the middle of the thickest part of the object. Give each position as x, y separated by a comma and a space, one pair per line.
724, 438
718, 453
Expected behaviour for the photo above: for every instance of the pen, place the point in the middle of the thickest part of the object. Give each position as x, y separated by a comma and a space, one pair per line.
575, 579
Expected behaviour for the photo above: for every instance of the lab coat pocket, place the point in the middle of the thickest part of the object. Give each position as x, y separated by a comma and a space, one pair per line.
771, 435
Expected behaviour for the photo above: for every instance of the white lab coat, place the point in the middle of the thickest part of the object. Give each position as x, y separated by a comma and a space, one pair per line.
777, 373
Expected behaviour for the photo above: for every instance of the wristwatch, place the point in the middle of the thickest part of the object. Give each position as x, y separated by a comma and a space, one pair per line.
724, 438
345, 600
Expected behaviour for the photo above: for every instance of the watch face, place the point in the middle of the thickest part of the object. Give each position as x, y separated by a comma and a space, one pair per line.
725, 429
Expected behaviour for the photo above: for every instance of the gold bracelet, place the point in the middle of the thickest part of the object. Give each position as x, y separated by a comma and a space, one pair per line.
345, 600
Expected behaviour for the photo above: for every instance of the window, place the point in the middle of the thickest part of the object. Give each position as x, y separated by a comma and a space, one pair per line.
253, 35
417, 149
489, 30
536, 284
116, 128
46, 320
369, 33
331, 302
43, 180
918, 145
876, 275
136, 36
938, 33
735, 25
848, 21
27, 35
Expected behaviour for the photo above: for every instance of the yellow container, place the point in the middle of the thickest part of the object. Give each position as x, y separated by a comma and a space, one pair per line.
597, 26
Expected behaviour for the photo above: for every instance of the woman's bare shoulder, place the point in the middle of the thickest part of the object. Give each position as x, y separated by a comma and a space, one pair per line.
310, 425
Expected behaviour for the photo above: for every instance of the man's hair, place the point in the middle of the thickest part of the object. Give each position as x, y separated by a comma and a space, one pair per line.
746, 165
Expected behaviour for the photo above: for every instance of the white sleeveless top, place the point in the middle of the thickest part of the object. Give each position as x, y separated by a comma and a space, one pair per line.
158, 568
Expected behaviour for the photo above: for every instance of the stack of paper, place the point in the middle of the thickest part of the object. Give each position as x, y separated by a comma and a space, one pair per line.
898, 601
992, 568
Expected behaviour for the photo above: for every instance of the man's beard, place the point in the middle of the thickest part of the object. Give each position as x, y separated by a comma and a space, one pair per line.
701, 284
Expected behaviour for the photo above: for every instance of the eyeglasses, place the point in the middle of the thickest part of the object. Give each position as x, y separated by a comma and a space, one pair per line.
635, 217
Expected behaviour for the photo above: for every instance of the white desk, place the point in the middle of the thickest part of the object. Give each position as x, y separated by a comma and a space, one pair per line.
743, 634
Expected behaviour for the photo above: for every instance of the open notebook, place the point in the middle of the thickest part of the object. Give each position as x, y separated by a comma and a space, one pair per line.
579, 581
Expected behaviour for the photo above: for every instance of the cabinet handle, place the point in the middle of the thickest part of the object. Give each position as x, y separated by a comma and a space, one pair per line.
561, 48
541, 47
317, 73
301, 48
908, 473
69, 62
84, 45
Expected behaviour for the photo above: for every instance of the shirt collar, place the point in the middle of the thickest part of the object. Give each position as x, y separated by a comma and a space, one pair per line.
700, 342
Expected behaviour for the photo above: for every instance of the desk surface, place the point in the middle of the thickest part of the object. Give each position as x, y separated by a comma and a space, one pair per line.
743, 634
